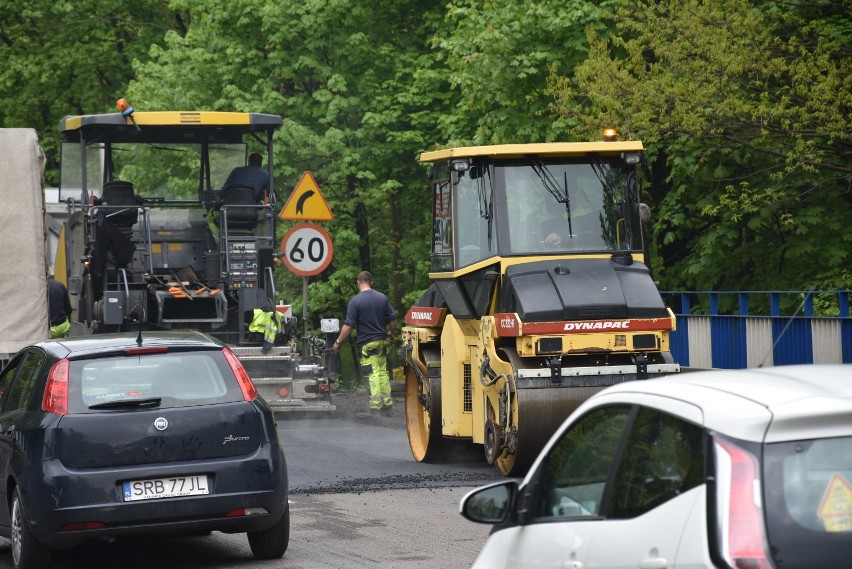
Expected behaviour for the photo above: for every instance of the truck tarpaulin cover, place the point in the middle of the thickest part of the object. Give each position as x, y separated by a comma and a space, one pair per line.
23, 283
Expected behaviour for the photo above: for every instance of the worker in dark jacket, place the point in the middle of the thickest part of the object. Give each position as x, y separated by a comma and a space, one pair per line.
370, 312
59, 304
252, 176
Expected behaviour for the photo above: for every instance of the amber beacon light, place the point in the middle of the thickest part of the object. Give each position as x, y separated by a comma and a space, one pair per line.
126, 111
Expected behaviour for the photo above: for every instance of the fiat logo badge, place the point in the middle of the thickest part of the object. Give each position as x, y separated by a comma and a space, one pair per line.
161, 423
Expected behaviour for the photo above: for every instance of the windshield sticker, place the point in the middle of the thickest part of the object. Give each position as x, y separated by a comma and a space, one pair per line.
835, 509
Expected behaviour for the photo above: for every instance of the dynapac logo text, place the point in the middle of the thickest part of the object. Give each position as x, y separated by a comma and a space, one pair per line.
421, 315
608, 325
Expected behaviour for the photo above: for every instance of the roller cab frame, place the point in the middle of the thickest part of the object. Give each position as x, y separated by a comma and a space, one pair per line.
540, 296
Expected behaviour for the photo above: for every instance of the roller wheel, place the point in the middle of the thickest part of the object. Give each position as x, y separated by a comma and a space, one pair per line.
540, 412
423, 423
492, 441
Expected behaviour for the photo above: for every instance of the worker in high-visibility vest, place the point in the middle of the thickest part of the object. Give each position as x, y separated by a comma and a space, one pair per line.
370, 312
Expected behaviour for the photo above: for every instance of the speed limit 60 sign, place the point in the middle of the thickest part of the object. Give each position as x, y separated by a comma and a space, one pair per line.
307, 249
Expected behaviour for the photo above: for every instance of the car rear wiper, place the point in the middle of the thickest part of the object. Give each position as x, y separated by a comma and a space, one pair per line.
149, 402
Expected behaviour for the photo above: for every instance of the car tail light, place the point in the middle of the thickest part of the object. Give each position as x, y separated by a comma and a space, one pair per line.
740, 512
56, 391
246, 385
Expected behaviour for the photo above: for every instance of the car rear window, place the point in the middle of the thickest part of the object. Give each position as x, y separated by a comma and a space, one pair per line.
178, 379
808, 487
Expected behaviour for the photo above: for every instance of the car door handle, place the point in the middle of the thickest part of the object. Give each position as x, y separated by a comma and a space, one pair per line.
653, 563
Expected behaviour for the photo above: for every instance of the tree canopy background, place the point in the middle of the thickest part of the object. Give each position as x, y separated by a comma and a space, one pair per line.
744, 107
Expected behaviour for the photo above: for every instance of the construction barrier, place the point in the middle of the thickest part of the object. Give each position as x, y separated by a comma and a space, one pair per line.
746, 329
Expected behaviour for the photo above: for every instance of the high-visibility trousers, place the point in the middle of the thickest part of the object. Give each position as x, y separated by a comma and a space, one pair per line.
374, 364
60, 330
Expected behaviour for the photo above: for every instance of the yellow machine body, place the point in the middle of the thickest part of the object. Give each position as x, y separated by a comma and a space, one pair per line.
516, 332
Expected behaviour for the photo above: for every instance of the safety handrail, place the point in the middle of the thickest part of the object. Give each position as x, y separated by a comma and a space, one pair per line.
223, 226
122, 276
271, 278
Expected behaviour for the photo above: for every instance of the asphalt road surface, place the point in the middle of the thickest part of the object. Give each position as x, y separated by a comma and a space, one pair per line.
357, 499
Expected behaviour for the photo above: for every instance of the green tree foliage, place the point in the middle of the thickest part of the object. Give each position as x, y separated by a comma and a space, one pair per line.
742, 104
747, 106
355, 87
498, 53
65, 58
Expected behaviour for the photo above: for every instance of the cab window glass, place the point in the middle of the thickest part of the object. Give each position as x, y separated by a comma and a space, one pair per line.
442, 220
663, 458
24, 386
565, 206
578, 466
473, 216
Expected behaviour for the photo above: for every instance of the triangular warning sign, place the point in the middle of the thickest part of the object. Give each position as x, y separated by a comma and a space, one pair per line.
835, 509
306, 202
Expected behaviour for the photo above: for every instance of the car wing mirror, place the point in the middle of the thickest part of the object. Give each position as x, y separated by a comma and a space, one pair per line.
490, 504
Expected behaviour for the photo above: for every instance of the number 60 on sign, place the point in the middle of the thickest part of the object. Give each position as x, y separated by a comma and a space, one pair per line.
307, 249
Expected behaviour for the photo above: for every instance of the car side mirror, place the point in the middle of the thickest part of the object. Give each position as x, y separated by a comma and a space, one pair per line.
490, 504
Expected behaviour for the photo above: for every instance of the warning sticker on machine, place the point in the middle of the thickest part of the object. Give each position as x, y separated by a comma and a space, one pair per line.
835, 509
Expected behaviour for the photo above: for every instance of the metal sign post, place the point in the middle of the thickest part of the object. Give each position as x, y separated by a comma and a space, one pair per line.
305, 313
307, 248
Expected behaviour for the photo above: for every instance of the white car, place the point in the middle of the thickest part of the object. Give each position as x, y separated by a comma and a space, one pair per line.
719, 469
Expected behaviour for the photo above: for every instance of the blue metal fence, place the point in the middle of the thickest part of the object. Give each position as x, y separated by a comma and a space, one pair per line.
721, 329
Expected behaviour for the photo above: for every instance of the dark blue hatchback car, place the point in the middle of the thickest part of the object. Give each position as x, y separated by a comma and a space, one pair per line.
109, 436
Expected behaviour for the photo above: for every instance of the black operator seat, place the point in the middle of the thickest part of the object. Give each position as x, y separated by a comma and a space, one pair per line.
119, 193
240, 218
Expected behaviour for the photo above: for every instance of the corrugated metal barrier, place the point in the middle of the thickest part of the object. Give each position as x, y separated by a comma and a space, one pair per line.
760, 328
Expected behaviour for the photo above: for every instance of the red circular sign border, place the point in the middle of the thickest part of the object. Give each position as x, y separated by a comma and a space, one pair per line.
319, 269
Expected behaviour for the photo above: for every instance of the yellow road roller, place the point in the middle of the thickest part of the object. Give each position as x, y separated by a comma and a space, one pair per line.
540, 296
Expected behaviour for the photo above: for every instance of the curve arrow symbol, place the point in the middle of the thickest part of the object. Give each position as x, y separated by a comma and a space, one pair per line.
302, 199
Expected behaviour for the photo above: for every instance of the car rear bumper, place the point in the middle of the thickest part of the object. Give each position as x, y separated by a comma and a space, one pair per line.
78, 496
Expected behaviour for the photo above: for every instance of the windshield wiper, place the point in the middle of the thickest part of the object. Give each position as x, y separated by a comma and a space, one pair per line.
148, 402
486, 197
548, 180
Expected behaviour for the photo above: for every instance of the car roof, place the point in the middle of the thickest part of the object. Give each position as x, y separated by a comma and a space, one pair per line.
760, 404
97, 344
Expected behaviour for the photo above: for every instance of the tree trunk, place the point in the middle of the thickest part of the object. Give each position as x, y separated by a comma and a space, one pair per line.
362, 227
396, 276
